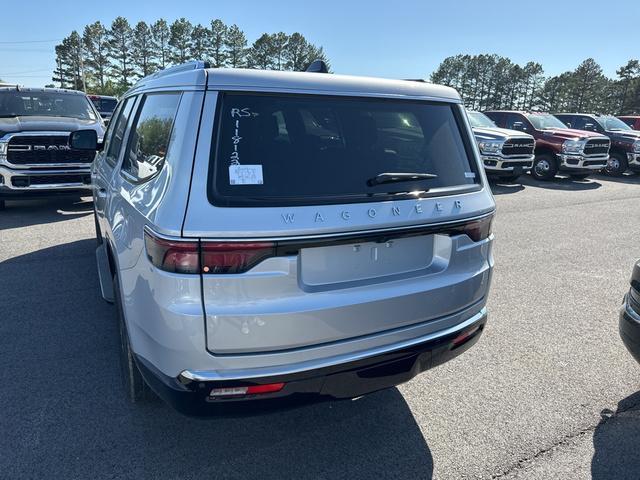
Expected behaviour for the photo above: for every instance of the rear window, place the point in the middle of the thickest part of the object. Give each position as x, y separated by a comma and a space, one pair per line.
299, 150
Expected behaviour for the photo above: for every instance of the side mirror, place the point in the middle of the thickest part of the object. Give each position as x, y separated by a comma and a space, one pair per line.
84, 140
519, 126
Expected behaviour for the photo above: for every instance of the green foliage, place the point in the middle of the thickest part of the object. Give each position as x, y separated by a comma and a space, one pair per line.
488, 82
108, 60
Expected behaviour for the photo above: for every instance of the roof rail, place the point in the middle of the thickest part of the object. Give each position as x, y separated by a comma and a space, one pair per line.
421, 80
183, 67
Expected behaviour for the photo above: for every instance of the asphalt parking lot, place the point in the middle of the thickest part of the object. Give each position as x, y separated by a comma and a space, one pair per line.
548, 392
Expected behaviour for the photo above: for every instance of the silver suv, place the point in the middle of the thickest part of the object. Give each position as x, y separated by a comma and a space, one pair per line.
270, 236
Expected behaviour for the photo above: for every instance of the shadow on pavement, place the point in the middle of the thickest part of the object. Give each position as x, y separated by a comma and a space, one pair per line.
21, 213
503, 188
616, 441
64, 414
628, 178
562, 183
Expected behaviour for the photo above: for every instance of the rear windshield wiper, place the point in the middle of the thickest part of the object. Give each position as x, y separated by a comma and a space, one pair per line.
383, 178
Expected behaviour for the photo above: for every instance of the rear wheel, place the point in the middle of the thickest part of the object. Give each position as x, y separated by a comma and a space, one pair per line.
616, 165
580, 176
544, 167
136, 389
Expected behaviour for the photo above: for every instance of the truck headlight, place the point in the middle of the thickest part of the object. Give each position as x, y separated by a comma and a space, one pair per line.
490, 146
636, 146
573, 146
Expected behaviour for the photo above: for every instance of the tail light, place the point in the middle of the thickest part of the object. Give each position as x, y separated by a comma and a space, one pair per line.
477, 229
205, 257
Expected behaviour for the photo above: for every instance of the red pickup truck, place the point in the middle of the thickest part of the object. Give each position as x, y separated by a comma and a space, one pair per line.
558, 148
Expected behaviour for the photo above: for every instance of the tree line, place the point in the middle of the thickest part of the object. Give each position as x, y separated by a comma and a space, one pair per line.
108, 60
488, 82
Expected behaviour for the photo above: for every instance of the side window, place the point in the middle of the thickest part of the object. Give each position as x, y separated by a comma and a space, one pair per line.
515, 121
497, 117
117, 129
569, 120
150, 135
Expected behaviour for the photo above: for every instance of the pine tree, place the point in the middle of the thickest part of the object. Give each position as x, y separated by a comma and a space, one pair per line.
160, 34
217, 49
120, 45
236, 44
279, 43
143, 49
200, 43
180, 40
96, 43
261, 53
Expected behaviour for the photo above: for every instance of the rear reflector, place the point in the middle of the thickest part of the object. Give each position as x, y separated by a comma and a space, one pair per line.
465, 336
252, 390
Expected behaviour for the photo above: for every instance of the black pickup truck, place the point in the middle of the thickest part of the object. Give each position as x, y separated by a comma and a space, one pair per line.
35, 156
625, 142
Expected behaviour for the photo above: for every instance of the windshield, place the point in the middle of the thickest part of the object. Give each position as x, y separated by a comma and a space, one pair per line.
15, 103
612, 123
542, 121
104, 104
480, 120
310, 149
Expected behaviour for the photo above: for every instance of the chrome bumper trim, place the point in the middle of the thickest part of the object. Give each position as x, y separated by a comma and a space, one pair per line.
213, 375
8, 174
601, 159
502, 163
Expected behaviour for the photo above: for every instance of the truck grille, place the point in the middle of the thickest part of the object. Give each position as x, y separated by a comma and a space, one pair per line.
45, 149
518, 146
598, 146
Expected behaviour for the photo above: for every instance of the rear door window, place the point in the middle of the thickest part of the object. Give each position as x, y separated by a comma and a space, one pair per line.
150, 136
117, 129
298, 150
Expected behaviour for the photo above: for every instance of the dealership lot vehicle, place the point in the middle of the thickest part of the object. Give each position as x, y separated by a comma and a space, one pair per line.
632, 120
506, 154
558, 148
305, 242
551, 365
35, 157
630, 315
105, 105
624, 153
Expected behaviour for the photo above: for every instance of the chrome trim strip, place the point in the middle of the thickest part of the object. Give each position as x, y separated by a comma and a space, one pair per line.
8, 174
212, 375
151, 231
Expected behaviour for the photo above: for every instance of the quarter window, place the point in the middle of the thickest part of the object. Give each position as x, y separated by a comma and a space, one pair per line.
150, 135
115, 136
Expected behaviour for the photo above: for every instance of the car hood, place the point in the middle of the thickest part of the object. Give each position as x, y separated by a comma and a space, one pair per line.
482, 133
624, 136
570, 134
48, 124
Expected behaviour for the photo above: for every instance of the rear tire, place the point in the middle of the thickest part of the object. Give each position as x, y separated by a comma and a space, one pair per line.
544, 167
136, 389
616, 165
580, 176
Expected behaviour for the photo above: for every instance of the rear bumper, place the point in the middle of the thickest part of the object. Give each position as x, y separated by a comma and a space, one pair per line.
44, 180
629, 325
386, 367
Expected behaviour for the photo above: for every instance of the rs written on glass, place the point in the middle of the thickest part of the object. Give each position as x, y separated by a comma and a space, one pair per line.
245, 175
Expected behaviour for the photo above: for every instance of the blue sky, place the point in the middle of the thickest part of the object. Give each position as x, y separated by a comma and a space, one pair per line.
397, 39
